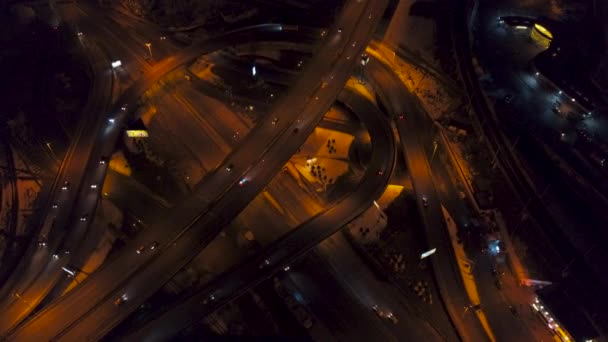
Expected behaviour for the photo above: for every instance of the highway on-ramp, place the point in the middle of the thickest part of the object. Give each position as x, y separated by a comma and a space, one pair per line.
38, 275
444, 266
89, 311
57, 218
288, 248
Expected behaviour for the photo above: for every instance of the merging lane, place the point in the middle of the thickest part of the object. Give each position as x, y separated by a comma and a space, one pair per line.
44, 269
24, 290
89, 311
293, 245
444, 268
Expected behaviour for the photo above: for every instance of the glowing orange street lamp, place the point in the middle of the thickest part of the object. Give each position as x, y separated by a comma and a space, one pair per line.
149, 45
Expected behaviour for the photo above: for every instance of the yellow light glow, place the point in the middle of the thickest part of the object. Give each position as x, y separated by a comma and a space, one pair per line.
138, 133
542, 30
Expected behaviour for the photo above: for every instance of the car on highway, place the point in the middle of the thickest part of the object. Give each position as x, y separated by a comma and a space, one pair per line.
401, 116
380, 172
120, 300
103, 160
79, 33
229, 167
340, 30
243, 181
65, 185
425, 201
153, 245
275, 120
141, 249
83, 218
385, 314
392, 317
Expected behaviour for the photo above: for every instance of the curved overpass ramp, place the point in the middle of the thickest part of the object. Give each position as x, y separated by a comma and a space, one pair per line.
293, 245
88, 312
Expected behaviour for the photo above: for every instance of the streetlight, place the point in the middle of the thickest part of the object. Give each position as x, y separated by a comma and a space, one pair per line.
17, 295
48, 144
434, 150
53, 155
149, 45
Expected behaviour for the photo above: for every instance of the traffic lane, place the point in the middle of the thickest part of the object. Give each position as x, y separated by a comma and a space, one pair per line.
95, 33
111, 133
444, 270
29, 299
132, 42
504, 323
191, 131
120, 44
208, 226
61, 216
354, 274
137, 32
333, 305
298, 203
285, 250
365, 30
224, 121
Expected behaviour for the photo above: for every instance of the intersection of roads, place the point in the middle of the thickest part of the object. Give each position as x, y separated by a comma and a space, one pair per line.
89, 311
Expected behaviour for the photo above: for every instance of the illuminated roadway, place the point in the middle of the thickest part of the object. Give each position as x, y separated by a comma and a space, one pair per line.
89, 311
43, 270
282, 252
55, 223
444, 266
36, 275
293, 245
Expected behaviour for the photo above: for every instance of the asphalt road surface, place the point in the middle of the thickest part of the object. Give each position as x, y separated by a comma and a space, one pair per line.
444, 266
283, 251
77, 313
24, 290
44, 271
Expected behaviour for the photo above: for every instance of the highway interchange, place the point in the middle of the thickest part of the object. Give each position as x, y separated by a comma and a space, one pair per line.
89, 312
